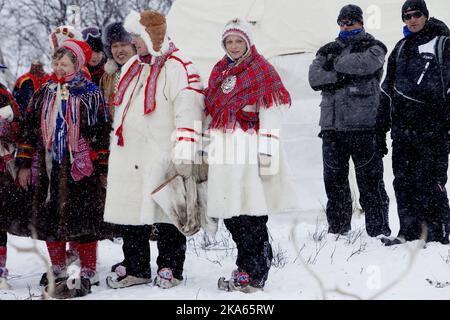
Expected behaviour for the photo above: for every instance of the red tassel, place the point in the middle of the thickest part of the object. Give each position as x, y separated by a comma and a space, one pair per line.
119, 133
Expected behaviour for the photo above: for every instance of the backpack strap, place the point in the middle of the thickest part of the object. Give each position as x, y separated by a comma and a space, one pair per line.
440, 47
399, 51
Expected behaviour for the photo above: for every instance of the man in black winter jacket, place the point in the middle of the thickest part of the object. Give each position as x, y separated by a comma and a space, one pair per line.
415, 107
348, 71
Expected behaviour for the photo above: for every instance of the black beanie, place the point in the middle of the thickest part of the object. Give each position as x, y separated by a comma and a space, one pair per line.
420, 5
351, 12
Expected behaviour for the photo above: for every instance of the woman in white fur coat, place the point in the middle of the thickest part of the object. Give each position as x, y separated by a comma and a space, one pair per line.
158, 102
247, 178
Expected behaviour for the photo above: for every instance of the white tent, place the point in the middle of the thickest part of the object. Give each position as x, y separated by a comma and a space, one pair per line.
281, 26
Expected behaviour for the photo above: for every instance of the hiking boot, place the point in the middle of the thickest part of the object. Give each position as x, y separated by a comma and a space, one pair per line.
4, 285
69, 288
165, 279
59, 273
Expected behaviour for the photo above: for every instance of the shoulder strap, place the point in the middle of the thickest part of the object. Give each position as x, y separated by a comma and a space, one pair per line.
440, 47
399, 51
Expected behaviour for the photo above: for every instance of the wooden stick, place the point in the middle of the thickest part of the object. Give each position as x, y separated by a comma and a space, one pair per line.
164, 184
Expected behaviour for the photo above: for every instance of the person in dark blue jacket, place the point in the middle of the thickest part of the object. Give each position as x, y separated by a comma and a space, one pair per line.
415, 107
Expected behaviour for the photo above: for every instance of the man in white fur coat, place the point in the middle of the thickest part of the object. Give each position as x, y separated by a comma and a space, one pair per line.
158, 102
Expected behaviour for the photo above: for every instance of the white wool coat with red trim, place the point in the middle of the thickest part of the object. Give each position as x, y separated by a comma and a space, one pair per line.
151, 141
235, 184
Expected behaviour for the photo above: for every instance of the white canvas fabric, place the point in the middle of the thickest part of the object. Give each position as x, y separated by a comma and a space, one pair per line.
281, 27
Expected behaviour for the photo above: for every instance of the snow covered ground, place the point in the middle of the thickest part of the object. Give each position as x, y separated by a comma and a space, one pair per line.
355, 264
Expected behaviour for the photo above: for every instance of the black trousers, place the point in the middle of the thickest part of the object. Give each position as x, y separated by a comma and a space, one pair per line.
252, 241
420, 163
337, 149
3, 238
171, 245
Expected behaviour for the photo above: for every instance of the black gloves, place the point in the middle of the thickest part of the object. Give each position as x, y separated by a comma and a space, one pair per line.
332, 48
330, 51
329, 64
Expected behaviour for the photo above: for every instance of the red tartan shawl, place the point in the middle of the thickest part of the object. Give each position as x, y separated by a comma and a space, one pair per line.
257, 83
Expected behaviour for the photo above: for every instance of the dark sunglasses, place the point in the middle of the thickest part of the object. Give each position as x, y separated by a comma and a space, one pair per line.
347, 23
408, 16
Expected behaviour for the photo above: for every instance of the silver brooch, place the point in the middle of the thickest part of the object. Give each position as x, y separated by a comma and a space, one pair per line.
228, 84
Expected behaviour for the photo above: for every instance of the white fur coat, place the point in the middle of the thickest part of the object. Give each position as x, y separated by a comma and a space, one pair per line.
151, 141
236, 186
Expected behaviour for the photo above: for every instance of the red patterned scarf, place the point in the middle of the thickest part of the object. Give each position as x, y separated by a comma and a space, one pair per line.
252, 82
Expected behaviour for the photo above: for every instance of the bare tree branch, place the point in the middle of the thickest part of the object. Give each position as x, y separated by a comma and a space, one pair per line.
30, 22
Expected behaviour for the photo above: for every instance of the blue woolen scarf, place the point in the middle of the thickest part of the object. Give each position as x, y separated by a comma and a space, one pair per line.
407, 32
344, 35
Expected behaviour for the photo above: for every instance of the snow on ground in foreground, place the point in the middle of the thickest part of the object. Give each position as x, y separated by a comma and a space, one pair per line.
356, 263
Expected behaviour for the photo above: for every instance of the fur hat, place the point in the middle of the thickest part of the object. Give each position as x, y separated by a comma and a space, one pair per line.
63, 33
351, 12
93, 37
238, 27
154, 28
80, 49
415, 5
114, 32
